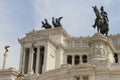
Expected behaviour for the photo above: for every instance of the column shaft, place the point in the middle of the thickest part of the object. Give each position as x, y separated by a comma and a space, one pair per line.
45, 63
81, 60
23, 60
38, 58
73, 59
4, 61
30, 68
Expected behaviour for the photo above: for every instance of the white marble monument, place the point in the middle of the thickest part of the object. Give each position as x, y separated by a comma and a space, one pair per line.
52, 54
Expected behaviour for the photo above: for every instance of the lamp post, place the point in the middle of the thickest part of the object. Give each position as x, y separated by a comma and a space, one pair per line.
5, 56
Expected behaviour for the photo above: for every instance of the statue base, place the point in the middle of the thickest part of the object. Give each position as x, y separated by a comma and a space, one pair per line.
101, 50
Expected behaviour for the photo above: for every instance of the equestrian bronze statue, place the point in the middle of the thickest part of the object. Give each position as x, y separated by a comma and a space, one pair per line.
101, 21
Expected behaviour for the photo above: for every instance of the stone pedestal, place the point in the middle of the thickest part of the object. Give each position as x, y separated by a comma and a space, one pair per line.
101, 51
8, 74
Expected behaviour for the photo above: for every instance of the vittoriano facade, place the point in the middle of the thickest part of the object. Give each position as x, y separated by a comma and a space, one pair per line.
53, 54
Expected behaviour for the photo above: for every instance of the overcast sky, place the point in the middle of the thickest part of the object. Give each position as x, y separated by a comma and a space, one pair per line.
18, 17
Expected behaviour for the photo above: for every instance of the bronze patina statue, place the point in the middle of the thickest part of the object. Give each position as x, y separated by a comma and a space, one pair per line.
56, 22
101, 21
45, 24
104, 15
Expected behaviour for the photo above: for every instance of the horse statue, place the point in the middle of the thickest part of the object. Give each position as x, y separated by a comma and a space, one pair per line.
45, 24
101, 21
56, 22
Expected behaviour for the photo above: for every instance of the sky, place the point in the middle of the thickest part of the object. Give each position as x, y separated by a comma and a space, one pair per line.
18, 17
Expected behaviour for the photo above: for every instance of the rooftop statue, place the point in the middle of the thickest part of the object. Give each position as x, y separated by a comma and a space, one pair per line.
45, 24
101, 21
56, 22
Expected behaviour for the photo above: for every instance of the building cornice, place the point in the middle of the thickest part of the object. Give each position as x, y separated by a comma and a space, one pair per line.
10, 71
76, 49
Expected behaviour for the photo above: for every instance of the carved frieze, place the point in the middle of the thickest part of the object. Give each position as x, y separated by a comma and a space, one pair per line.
98, 50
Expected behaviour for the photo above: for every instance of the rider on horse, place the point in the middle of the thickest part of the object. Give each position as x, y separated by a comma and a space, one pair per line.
104, 14
101, 20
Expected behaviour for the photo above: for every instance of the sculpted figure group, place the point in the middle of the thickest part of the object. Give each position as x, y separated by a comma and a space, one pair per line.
55, 23
101, 20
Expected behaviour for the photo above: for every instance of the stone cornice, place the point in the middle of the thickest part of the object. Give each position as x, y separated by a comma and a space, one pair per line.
43, 34
31, 38
52, 31
10, 71
108, 72
77, 39
114, 36
77, 49
115, 72
102, 72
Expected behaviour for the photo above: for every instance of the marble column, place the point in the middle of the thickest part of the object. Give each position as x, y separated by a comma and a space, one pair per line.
87, 58
23, 59
81, 60
118, 57
45, 63
37, 62
4, 61
30, 68
73, 59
